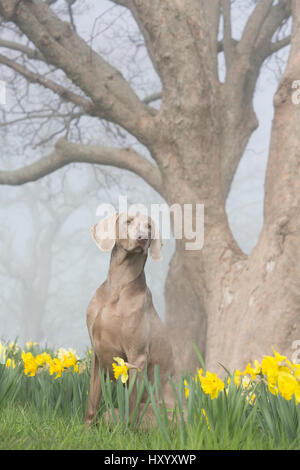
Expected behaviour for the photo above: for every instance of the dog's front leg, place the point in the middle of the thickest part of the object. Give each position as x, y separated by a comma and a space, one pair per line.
95, 392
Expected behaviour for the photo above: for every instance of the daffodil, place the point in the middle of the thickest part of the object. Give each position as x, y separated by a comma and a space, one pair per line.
3, 350
79, 367
287, 385
227, 388
30, 344
237, 377
43, 358
251, 398
272, 386
211, 384
186, 389
278, 357
10, 363
269, 366
253, 371
30, 365
56, 366
69, 360
122, 369
245, 382
204, 414
13, 348
297, 371
63, 353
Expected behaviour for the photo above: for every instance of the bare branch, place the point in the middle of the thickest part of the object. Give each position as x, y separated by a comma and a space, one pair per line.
70, 10
277, 16
66, 152
241, 79
254, 25
213, 11
48, 116
63, 92
104, 84
153, 97
191, 23
228, 44
130, 4
276, 46
220, 46
30, 53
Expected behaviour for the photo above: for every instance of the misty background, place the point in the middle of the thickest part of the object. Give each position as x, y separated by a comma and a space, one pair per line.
49, 265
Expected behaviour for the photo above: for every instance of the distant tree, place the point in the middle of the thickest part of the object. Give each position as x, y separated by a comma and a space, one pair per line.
26, 256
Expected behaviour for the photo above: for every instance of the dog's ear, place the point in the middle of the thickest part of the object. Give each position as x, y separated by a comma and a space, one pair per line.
156, 242
104, 233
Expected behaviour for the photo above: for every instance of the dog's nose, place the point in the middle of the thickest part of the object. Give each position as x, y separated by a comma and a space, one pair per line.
141, 236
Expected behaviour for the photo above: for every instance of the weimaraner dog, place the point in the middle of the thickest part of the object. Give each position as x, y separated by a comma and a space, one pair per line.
121, 318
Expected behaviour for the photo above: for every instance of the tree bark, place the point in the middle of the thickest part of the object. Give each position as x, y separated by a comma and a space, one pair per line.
263, 309
253, 304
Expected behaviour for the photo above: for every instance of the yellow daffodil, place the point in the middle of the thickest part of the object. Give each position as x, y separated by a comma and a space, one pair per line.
246, 382
10, 363
211, 384
297, 394
13, 347
199, 374
43, 358
269, 366
272, 385
79, 367
63, 353
296, 369
30, 365
56, 366
122, 369
278, 357
186, 389
237, 377
30, 344
287, 385
69, 360
3, 350
204, 414
251, 398
253, 371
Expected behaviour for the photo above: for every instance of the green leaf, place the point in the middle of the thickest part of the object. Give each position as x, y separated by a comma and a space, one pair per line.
200, 357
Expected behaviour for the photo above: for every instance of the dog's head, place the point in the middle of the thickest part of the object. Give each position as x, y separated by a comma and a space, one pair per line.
134, 233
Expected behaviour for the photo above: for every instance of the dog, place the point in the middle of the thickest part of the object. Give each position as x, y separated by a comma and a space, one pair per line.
121, 319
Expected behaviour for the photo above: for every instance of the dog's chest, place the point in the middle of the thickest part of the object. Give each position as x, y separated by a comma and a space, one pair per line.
123, 306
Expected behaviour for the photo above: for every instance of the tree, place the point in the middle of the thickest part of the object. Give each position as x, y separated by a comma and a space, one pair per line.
35, 271
234, 307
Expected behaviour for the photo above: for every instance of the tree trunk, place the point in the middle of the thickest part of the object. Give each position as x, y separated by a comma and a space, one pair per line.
241, 307
185, 314
262, 308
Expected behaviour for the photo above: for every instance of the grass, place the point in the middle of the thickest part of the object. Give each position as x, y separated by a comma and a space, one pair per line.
26, 428
47, 413
23, 427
